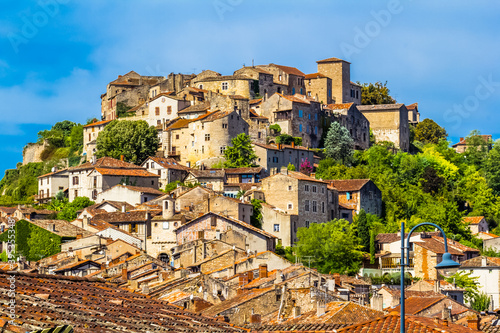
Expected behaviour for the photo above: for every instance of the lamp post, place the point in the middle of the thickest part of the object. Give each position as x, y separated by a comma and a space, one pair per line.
447, 266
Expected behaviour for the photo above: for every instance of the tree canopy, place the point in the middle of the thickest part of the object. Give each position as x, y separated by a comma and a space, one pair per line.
428, 131
135, 140
375, 93
241, 153
339, 145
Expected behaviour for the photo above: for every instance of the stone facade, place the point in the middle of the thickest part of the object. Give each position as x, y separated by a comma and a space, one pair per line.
131, 194
389, 122
296, 115
32, 152
285, 76
168, 169
273, 157
230, 85
319, 87
90, 134
266, 85
297, 194
339, 71
350, 117
163, 108
50, 184
359, 194
413, 114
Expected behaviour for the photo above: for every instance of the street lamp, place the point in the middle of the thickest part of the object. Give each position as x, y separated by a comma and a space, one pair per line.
446, 267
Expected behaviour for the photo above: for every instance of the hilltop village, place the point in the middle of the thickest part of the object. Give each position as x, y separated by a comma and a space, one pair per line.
181, 242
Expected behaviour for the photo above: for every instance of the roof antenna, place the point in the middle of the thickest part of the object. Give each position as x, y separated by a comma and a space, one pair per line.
252, 63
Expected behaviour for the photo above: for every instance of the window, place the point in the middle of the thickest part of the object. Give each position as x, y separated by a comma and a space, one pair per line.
289, 187
307, 224
280, 78
165, 225
222, 148
300, 127
76, 193
224, 125
276, 228
323, 190
75, 180
306, 208
314, 188
316, 130
301, 113
157, 111
202, 149
370, 194
177, 137
207, 137
309, 116
306, 188
293, 91
345, 216
275, 160
315, 208
158, 122
95, 181
348, 195
169, 109
316, 116
290, 206
224, 85
323, 207
309, 93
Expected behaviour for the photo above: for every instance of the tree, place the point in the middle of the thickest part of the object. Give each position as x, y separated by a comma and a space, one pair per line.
121, 109
492, 168
372, 246
377, 93
465, 281
256, 217
241, 153
275, 129
287, 139
306, 167
428, 131
339, 144
481, 302
290, 167
69, 212
363, 230
135, 140
477, 149
333, 247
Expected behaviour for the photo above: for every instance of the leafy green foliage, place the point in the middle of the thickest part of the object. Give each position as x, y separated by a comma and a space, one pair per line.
375, 93
491, 252
332, 245
339, 145
69, 212
136, 140
481, 302
392, 279
275, 128
477, 149
428, 131
290, 167
3, 256
256, 218
33, 242
372, 246
492, 168
477, 300
241, 153
121, 109
363, 230
171, 186
287, 139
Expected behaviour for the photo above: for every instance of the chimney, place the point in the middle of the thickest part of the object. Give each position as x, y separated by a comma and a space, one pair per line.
52, 227
320, 309
461, 139
279, 277
250, 276
79, 236
437, 286
122, 158
293, 144
255, 319
446, 313
377, 302
484, 262
473, 322
124, 274
262, 271
284, 170
296, 311
145, 289
336, 276
168, 208
123, 208
85, 222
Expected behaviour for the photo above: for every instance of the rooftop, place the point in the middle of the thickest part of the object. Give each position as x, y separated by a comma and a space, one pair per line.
349, 184
333, 59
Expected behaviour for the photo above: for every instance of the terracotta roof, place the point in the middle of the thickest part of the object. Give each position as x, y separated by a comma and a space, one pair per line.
237, 300
254, 114
436, 246
331, 60
349, 184
463, 141
62, 228
472, 219
413, 324
106, 162
390, 238
167, 94
116, 204
294, 98
132, 216
98, 123
147, 190
488, 234
169, 163
414, 305
340, 106
412, 293
76, 264
255, 101
53, 173
478, 262
175, 296
179, 123
209, 173
243, 170
8, 210
275, 147
91, 305
346, 206
315, 76
237, 97
126, 172
225, 78
412, 106
289, 70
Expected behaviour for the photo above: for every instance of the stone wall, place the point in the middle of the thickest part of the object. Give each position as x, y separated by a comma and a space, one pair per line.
33, 151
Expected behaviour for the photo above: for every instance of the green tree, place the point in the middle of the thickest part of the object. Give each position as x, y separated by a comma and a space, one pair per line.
372, 246
333, 247
338, 144
121, 109
135, 140
428, 131
492, 168
481, 302
75, 139
467, 282
363, 230
375, 93
256, 218
241, 153
477, 149
275, 129
290, 167
69, 212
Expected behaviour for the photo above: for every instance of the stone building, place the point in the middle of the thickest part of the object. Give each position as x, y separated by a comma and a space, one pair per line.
339, 71
90, 134
296, 115
319, 87
134, 194
487, 270
91, 178
294, 193
51, 183
273, 157
212, 225
240, 85
266, 85
191, 141
168, 169
173, 83
413, 114
289, 77
389, 122
359, 194
350, 117
477, 224
163, 108
461, 146
130, 89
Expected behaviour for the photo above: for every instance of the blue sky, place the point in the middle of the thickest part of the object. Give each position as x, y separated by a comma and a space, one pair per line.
56, 56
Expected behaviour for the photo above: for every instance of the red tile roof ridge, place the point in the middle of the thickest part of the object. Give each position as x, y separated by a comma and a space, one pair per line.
315, 76
97, 123
289, 70
472, 219
333, 59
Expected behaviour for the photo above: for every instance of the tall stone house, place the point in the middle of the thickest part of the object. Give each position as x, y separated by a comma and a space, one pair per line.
389, 122
194, 140
90, 134
343, 89
348, 115
130, 89
168, 169
91, 178
273, 157
296, 115
413, 114
359, 194
295, 193
319, 87
290, 77
240, 85
266, 84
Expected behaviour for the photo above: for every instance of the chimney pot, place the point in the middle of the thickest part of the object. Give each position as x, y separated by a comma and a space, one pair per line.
122, 158
262, 271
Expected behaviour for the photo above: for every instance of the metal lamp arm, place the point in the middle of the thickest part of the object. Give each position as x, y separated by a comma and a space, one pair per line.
413, 229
